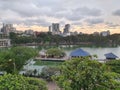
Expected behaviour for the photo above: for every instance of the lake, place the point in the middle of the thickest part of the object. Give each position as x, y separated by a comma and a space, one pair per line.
98, 51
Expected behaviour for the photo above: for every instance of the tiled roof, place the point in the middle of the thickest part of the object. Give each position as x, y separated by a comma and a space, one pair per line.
110, 55
79, 52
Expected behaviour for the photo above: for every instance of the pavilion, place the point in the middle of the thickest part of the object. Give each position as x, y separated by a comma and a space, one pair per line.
110, 56
79, 53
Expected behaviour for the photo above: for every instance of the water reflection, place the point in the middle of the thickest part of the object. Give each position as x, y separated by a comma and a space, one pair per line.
97, 51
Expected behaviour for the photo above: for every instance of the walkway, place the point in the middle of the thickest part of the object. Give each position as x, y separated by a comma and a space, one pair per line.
52, 86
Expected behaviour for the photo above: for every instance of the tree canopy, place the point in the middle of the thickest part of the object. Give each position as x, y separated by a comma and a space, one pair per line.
114, 65
14, 58
85, 74
19, 82
46, 38
54, 52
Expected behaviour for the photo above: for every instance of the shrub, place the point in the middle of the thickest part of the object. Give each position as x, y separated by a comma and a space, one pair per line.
19, 82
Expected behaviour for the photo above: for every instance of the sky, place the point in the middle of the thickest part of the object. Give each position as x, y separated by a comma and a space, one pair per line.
85, 16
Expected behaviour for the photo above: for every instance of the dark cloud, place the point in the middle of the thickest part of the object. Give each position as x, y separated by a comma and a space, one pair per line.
85, 11
74, 18
94, 21
52, 8
116, 13
78, 13
13, 21
110, 24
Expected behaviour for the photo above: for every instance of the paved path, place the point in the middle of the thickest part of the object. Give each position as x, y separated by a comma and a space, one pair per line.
52, 86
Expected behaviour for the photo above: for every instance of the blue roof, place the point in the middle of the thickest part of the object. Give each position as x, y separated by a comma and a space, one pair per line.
79, 52
110, 55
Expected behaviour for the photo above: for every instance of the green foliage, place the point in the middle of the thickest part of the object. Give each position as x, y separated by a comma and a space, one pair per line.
46, 38
41, 85
13, 59
114, 65
54, 52
17, 39
85, 74
47, 63
18, 82
48, 72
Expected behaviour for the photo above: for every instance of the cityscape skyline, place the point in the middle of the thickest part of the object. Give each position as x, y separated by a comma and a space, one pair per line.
85, 16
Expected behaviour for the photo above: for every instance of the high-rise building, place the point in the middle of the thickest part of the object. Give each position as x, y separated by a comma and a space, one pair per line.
105, 33
55, 28
29, 32
50, 29
7, 28
66, 29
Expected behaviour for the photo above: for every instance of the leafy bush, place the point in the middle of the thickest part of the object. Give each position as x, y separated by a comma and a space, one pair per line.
114, 65
18, 82
54, 52
48, 72
12, 60
86, 74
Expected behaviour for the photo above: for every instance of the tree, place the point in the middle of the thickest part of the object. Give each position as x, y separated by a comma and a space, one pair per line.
85, 74
54, 52
48, 72
13, 59
114, 65
19, 82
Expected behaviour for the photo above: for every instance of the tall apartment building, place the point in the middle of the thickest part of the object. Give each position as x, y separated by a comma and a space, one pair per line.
105, 33
66, 29
50, 29
4, 35
29, 32
55, 28
7, 28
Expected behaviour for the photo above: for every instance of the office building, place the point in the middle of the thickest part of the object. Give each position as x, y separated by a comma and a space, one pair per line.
55, 28
66, 29
105, 33
7, 28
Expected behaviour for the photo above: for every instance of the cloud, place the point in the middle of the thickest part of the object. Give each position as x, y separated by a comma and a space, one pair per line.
110, 24
85, 11
44, 12
39, 22
117, 12
52, 8
94, 21
77, 23
78, 13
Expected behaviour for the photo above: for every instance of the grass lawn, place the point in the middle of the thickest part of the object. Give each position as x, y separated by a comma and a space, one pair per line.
47, 63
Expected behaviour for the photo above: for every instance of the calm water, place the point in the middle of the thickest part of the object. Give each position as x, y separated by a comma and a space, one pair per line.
98, 51
94, 51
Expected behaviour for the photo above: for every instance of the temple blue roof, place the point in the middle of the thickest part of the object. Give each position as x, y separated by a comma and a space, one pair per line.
110, 55
79, 52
